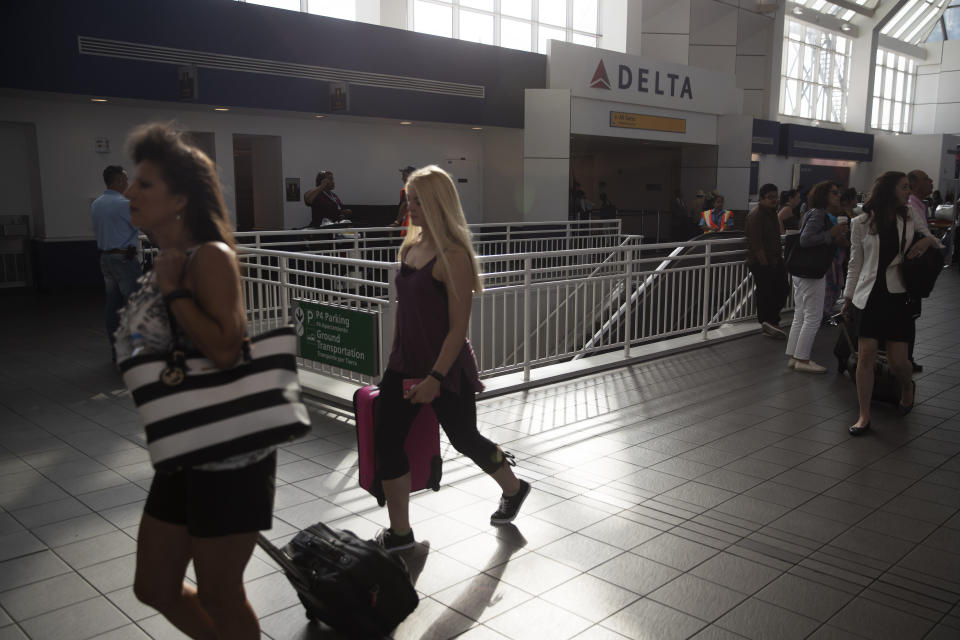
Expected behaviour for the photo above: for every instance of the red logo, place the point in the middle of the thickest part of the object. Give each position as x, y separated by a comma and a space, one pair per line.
600, 79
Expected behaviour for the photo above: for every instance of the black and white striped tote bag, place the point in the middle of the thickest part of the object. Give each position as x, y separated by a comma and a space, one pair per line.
194, 413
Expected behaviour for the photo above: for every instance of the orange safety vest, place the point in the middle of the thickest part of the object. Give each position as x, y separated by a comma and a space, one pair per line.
707, 220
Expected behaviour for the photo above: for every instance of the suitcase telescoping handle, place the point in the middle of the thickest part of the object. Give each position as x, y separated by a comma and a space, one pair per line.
277, 554
841, 320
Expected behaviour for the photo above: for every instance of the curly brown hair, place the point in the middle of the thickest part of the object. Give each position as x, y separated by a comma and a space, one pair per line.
819, 196
187, 171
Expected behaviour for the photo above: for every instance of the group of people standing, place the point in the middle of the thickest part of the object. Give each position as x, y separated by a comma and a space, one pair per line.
888, 231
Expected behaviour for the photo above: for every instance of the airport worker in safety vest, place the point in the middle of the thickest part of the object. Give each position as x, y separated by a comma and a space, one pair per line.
716, 219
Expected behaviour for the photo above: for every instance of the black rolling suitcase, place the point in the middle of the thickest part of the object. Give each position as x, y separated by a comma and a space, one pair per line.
353, 585
885, 385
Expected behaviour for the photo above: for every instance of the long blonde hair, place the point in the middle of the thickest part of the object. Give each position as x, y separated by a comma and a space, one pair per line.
446, 226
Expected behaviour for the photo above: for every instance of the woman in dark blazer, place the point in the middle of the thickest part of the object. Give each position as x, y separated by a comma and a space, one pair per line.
879, 238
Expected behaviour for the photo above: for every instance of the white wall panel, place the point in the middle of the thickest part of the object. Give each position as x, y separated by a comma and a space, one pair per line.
948, 118
502, 174
752, 72
545, 188
546, 123
734, 183
665, 16
949, 90
951, 56
754, 33
755, 103
924, 118
713, 22
667, 47
928, 87
718, 58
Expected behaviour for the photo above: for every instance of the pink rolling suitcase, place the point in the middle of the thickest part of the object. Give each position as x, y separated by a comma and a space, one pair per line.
422, 446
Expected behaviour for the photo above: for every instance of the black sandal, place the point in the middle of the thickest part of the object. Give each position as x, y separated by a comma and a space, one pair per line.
856, 431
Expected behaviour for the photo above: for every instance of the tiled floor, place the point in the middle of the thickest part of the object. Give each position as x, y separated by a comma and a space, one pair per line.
713, 494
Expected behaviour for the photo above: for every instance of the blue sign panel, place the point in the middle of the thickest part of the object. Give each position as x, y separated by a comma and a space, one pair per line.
814, 142
766, 136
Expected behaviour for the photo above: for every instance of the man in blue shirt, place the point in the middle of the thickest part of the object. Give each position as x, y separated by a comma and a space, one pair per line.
117, 241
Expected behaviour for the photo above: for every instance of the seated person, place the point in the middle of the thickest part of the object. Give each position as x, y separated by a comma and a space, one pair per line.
717, 218
324, 204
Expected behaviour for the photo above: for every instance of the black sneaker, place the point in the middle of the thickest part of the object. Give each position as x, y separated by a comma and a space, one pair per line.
390, 541
510, 505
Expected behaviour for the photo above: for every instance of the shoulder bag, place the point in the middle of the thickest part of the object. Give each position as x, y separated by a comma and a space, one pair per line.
920, 273
807, 262
195, 413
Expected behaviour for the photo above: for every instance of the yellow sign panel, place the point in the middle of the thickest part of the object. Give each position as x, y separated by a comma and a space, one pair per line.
650, 123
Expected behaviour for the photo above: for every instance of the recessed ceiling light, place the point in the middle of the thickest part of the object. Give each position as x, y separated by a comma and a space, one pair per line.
98, 99
477, 128
221, 109
319, 115
405, 122
797, 11
846, 27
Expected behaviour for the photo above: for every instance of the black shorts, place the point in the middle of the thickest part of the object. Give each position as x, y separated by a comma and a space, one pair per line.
216, 503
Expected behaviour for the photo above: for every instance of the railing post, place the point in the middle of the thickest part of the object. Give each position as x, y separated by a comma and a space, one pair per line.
706, 289
284, 293
628, 310
527, 266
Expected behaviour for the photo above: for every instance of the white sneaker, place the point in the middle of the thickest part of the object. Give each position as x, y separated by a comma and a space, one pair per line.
808, 367
772, 331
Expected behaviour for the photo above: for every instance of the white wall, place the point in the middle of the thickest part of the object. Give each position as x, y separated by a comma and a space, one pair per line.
365, 154
777, 170
711, 34
19, 181
938, 89
503, 175
546, 154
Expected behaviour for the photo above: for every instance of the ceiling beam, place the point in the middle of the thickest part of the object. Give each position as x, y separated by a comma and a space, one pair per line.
853, 6
892, 44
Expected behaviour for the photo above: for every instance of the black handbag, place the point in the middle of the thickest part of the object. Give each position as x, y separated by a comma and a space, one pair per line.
920, 273
807, 262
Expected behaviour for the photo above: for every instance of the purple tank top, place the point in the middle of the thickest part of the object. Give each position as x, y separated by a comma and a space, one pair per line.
422, 326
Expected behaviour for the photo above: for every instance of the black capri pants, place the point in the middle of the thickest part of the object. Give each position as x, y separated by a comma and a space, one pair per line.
457, 414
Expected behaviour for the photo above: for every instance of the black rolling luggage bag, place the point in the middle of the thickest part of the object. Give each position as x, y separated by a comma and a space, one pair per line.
885, 385
353, 585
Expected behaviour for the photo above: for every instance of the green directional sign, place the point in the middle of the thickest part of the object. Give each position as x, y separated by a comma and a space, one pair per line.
340, 337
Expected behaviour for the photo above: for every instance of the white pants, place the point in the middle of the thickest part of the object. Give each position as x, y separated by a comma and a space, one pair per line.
807, 313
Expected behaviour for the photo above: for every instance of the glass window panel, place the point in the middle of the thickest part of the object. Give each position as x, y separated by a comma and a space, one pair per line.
589, 41
516, 9
908, 90
792, 88
807, 71
795, 31
548, 33
875, 117
793, 59
805, 109
585, 15
476, 27
433, 19
907, 118
486, 5
897, 120
343, 9
901, 63
292, 5
811, 36
515, 34
553, 12
888, 83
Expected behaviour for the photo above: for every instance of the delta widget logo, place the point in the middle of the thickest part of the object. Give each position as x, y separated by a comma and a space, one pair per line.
600, 79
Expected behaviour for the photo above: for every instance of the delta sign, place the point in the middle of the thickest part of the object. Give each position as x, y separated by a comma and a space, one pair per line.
615, 77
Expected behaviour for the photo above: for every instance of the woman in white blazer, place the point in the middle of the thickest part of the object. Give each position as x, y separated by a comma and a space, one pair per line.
879, 238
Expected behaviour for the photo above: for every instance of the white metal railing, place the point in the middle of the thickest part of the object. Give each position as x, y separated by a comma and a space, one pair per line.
537, 308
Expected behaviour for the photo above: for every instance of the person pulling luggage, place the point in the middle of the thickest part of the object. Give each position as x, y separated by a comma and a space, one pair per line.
880, 238
435, 285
